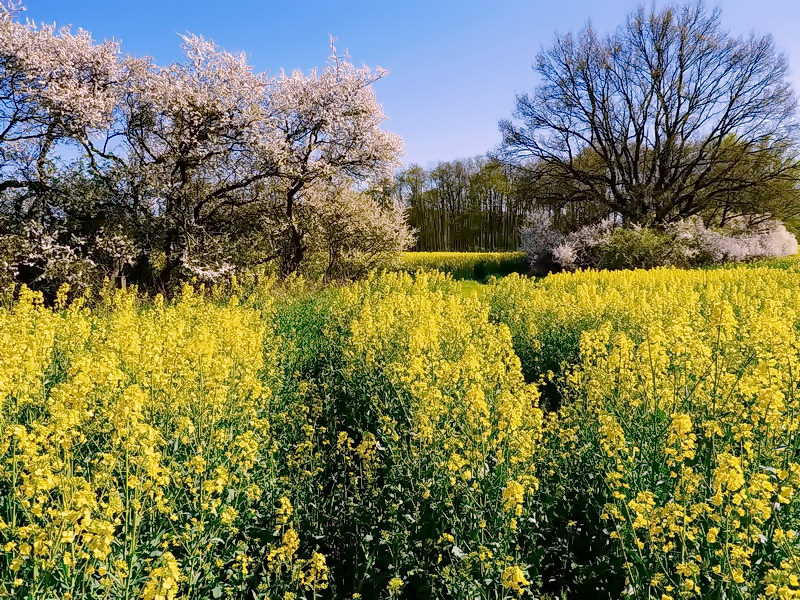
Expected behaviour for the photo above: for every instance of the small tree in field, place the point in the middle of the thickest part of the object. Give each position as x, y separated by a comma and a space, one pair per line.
353, 232
667, 118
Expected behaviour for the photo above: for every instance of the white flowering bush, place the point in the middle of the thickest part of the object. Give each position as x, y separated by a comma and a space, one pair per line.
353, 233
685, 243
47, 258
540, 241
738, 241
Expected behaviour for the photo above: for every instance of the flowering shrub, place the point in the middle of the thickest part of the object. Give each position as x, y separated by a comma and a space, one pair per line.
607, 245
736, 242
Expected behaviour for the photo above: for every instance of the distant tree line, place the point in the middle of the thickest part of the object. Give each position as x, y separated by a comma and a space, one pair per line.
668, 118
463, 205
480, 204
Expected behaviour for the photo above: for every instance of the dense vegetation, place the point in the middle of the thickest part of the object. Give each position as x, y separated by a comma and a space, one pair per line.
590, 434
477, 266
594, 433
116, 167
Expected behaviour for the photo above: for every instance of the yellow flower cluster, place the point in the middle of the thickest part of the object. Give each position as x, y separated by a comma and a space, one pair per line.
127, 431
451, 363
687, 383
514, 579
433, 366
163, 581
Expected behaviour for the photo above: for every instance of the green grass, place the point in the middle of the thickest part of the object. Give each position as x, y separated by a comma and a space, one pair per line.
469, 287
476, 266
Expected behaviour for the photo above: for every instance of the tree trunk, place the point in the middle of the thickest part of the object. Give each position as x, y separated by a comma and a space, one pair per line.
294, 253
171, 264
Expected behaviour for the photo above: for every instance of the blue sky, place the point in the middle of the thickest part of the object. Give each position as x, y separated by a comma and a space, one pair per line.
455, 66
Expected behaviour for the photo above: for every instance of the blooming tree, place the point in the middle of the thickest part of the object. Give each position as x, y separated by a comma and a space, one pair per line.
55, 87
354, 231
325, 124
189, 145
193, 169
230, 163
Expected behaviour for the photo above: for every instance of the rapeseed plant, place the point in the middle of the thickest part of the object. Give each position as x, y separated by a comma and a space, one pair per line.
626, 434
135, 448
677, 392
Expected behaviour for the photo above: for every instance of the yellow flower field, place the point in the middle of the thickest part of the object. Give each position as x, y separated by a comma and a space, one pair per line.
599, 434
680, 390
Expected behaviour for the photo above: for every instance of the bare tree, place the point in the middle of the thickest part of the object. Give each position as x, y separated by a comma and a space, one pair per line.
655, 120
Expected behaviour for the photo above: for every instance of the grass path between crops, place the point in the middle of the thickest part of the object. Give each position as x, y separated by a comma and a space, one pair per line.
469, 287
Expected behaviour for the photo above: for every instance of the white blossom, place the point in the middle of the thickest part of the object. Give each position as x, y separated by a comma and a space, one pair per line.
538, 237
55, 77
690, 241
214, 165
328, 123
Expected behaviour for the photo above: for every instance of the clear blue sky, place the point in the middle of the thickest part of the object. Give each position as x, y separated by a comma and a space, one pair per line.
454, 65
